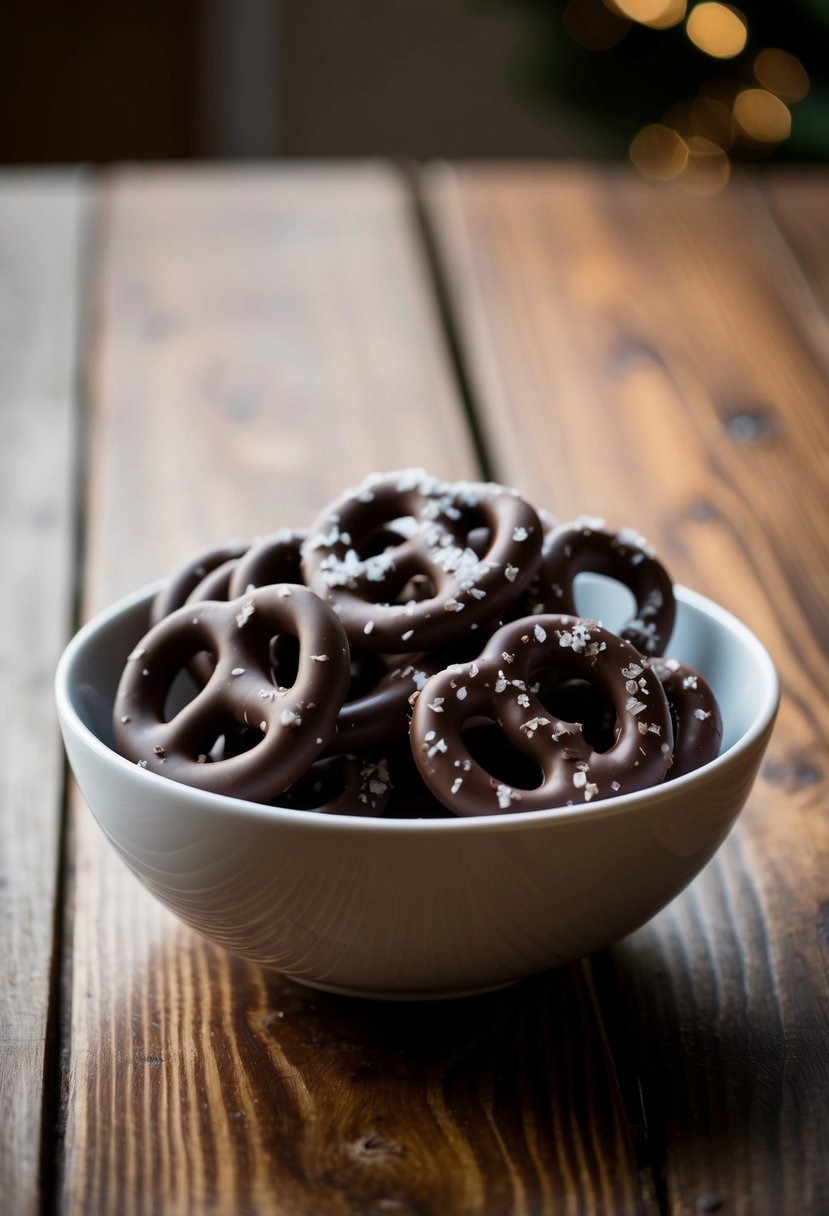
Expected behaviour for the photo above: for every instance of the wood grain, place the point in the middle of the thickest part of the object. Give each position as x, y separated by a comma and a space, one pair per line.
661, 360
40, 232
262, 340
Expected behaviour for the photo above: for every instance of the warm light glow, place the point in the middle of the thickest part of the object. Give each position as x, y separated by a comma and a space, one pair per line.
593, 25
762, 116
713, 120
708, 168
782, 73
658, 152
705, 116
717, 29
658, 14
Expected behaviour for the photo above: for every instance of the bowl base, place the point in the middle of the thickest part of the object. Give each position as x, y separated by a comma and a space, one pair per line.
366, 994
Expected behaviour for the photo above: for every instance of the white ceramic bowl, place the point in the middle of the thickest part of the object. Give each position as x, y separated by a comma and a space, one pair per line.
419, 908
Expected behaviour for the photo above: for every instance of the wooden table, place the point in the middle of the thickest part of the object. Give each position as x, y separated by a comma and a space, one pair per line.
189, 355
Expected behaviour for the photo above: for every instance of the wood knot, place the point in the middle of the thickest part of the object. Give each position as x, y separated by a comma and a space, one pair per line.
792, 774
374, 1147
747, 423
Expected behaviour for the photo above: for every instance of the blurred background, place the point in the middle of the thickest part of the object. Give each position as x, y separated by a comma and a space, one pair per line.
682, 88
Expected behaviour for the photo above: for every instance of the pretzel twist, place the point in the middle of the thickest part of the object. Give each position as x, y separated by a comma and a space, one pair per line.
695, 714
499, 686
346, 561
587, 545
295, 723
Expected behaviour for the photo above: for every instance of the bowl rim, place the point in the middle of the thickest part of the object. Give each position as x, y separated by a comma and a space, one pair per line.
313, 820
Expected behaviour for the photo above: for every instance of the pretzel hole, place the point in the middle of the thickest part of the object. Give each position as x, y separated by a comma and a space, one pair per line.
618, 603
237, 740
478, 539
574, 700
486, 744
283, 659
186, 682
419, 588
367, 670
389, 535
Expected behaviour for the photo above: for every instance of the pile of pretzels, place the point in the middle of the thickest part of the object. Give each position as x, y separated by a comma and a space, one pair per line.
417, 652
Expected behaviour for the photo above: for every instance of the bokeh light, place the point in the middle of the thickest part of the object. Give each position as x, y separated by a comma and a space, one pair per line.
658, 14
762, 116
658, 151
782, 73
706, 116
707, 169
718, 29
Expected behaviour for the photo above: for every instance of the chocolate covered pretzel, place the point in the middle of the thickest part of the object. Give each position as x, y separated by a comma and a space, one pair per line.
186, 578
431, 585
695, 714
346, 784
294, 720
501, 687
272, 559
586, 545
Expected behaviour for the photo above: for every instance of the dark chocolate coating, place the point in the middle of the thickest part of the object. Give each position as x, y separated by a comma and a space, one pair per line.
381, 712
181, 584
695, 714
215, 585
499, 686
341, 785
587, 546
295, 723
273, 559
469, 587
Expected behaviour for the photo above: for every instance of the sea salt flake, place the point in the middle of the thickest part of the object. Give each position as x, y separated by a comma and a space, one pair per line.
532, 725
238, 671
520, 534
368, 627
438, 746
702, 714
540, 634
243, 616
290, 719
505, 795
690, 682
320, 658
635, 707
511, 573
456, 785
461, 694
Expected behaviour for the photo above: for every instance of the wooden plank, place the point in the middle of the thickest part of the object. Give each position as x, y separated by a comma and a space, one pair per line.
658, 360
264, 339
40, 229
